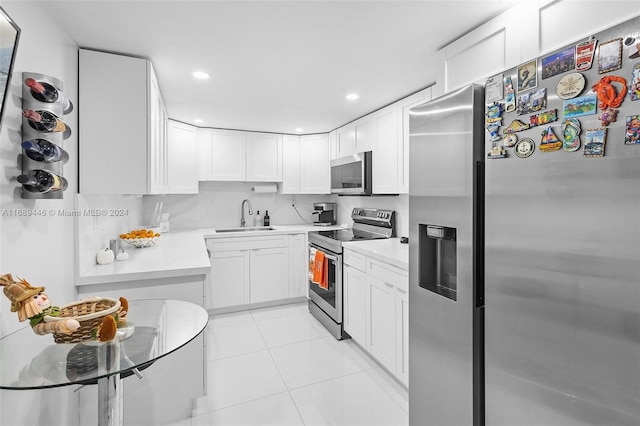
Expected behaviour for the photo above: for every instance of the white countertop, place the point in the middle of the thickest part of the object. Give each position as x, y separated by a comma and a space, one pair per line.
385, 250
178, 253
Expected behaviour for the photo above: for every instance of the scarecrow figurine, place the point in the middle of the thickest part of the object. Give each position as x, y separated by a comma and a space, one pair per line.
31, 303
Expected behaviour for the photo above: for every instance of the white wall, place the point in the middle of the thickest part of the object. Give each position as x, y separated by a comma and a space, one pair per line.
39, 249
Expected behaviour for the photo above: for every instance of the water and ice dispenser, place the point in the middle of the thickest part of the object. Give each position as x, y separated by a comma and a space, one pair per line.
437, 260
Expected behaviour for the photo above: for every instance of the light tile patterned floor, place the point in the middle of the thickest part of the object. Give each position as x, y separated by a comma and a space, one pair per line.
280, 366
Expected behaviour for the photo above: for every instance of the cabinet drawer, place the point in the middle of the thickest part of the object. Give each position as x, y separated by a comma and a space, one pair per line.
246, 243
354, 259
388, 273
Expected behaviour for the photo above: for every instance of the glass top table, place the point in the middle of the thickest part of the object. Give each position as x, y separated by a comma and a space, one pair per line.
160, 327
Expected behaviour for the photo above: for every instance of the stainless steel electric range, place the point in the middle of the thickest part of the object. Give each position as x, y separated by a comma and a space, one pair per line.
326, 295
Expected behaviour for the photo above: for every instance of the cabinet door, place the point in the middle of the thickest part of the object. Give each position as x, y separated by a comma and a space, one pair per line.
264, 157
113, 163
385, 155
228, 148
182, 158
381, 321
229, 279
403, 127
298, 264
355, 303
333, 144
157, 179
346, 140
402, 335
315, 172
269, 274
290, 164
365, 134
205, 170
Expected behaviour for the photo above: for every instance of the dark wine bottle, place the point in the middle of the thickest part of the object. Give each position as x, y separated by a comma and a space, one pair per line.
44, 151
45, 92
42, 181
46, 121
266, 218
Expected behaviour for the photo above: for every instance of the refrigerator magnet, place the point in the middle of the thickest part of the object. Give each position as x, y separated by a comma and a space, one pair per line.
528, 75
583, 105
632, 134
607, 116
570, 86
558, 63
606, 91
515, 126
497, 151
571, 134
493, 131
543, 118
610, 56
509, 141
595, 140
524, 148
532, 102
584, 54
509, 97
634, 88
549, 141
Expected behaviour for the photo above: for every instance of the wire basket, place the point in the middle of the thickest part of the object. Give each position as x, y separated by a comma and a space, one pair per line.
88, 312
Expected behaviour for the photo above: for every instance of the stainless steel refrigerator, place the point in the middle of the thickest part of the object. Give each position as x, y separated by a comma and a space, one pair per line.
549, 334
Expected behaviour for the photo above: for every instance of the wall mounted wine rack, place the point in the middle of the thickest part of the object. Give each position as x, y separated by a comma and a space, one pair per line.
29, 132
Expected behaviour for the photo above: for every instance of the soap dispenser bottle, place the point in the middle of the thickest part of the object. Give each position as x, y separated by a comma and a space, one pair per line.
257, 219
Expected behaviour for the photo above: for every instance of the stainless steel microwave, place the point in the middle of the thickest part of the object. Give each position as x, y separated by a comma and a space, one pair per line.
351, 175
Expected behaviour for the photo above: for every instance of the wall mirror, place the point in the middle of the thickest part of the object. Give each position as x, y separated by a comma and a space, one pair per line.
9, 35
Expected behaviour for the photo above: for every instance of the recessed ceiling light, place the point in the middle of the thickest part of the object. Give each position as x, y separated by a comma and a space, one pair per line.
201, 75
198, 120
352, 96
299, 129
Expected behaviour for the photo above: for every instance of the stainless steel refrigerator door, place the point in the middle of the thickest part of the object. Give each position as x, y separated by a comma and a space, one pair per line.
562, 310
441, 193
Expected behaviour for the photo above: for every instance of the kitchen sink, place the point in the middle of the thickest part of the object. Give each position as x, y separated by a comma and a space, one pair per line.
247, 229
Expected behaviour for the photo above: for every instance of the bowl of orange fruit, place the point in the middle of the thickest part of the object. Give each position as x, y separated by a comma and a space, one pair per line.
141, 238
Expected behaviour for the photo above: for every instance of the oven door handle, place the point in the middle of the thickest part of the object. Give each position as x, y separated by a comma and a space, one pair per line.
327, 255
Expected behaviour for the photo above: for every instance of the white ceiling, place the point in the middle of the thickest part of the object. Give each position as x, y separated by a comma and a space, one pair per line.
278, 65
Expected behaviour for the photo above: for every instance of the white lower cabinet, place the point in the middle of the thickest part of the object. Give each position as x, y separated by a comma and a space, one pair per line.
252, 270
376, 310
355, 313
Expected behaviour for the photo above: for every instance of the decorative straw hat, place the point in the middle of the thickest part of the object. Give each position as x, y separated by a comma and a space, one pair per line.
19, 291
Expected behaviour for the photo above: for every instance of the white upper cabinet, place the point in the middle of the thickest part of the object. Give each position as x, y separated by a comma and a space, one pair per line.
122, 128
365, 134
233, 155
264, 157
290, 164
346, 140
333, 144
222, 155
182, 159
315, 172
404, 106
306, 164
385, 150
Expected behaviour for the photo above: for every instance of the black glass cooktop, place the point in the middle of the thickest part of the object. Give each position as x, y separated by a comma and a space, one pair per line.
345, 235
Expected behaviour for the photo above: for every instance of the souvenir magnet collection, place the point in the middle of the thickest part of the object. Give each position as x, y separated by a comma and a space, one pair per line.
571, 134
570, 86
594, 142
549, 141
524, 148
632, 134
584, 54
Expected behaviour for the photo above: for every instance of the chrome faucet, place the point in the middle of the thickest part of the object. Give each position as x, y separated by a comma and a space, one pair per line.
242, 222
